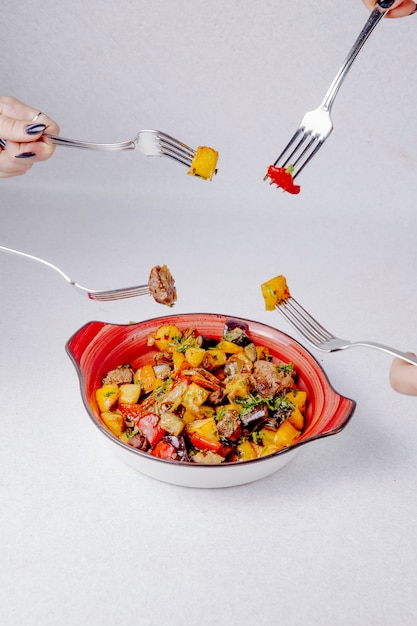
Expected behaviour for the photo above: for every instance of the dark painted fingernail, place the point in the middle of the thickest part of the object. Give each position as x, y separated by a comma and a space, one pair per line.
385, 4
25, 155
2, 143
35, 129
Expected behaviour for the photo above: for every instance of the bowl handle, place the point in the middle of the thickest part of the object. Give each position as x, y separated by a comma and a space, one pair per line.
81, 339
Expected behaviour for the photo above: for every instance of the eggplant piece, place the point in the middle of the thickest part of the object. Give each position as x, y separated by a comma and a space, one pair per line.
257, 417
208, 342
179, 445
236, 331
279, 416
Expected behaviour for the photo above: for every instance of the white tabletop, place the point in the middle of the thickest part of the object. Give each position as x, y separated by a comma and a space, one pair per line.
331, 538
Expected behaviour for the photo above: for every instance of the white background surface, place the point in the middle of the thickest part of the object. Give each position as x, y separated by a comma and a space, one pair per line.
330, 539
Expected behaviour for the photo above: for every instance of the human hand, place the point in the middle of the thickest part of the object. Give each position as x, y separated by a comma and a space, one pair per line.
403, 377
400, 8
22, 141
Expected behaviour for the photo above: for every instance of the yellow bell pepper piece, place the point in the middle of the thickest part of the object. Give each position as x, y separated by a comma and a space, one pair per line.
106, 396
178, 359
275, 291
298, 398
286, 434
297, 419
145, 376
229, 347
248, 450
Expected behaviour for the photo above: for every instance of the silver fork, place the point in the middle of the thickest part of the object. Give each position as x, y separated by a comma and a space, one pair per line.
322, 339
317, 125
149, 142
93, 294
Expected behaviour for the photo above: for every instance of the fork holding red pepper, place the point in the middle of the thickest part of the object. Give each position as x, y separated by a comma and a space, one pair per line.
282, 177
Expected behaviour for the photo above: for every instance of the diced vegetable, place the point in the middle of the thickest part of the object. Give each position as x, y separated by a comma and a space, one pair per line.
298, 398
149, 426
204, 163
248, 450
145, 376
164, 450
165, 337
286, 434
204, 434
282, 177
129, 393
171, 423
114, 421
194, 396
107, 396
297, 419
194, 356
237, 386
205, 400
229, 347
275, 291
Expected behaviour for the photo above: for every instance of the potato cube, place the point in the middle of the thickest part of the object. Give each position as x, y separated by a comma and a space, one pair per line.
114, 422
164, 338
194, 356
194, 396
129, 393
237, 386
214, 358
204, 163
171, 423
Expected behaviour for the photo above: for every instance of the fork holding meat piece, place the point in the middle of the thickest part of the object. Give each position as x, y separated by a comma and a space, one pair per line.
162, 285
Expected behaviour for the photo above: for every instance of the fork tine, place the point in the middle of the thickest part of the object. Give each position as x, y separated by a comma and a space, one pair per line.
289, 145
297, 153
174, 149
313, 146
119, 294
303, 322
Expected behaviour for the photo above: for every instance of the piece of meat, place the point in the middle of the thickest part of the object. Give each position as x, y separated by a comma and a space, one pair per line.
119, 376
203, 378
216, 396
267, 380
162, 285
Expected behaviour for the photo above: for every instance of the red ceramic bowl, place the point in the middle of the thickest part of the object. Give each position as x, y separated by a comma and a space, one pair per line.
98, 347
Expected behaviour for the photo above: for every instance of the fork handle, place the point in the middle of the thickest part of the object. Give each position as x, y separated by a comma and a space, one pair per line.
380, 346
375, 17
89, 145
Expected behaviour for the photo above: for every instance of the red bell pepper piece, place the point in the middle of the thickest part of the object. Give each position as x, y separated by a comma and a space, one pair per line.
205, 444
131, 412
165, 450
149, 426
282, 177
